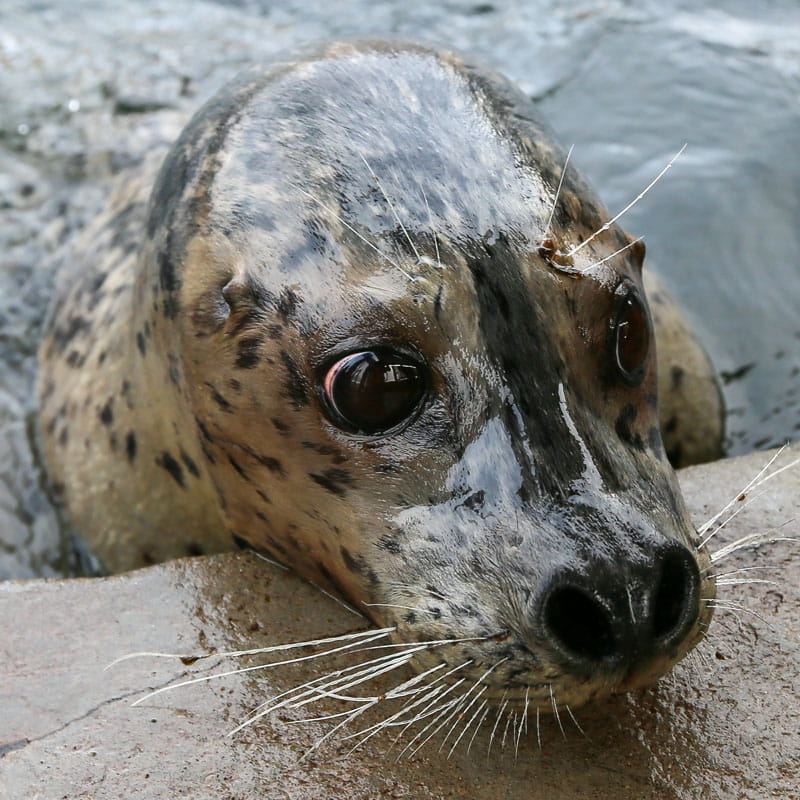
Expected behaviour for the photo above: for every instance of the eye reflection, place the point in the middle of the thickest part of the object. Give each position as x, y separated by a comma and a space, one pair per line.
373, 391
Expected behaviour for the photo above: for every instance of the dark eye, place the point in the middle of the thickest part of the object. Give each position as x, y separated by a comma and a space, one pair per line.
632, 338
373, 391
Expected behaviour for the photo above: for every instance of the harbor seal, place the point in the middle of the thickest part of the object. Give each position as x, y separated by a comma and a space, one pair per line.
375, 326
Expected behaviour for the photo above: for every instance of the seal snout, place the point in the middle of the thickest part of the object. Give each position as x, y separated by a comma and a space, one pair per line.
596, 623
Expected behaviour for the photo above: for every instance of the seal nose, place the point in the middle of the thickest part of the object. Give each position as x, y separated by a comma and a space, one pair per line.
627, 622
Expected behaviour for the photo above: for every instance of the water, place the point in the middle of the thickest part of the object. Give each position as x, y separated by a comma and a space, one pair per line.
87, 87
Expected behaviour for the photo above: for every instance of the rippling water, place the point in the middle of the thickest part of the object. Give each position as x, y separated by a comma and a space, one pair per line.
87, 87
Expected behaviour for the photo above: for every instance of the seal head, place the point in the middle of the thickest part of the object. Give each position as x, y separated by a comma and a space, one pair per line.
373, 329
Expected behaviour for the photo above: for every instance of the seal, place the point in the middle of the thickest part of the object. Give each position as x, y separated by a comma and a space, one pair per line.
377, 327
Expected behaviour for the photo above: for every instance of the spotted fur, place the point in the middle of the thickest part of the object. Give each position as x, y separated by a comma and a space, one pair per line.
352, 195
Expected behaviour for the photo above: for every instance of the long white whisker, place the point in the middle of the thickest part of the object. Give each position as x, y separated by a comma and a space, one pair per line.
558, 193
478, 726
630, 205
192, 659
609, 257
736, 608
739, 495
456, 704
742, 581
433, 233
496, 723
314, 687
356, 232
242, 670
469, 724
555, 711
572, 717
391, 205
752, 540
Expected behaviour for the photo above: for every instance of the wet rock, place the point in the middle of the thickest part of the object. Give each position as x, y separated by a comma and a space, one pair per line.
725, 724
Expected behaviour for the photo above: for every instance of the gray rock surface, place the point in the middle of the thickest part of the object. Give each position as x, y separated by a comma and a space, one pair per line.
724, 724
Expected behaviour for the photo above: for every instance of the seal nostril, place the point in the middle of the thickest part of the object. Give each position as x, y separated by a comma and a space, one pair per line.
675, 596
579, 623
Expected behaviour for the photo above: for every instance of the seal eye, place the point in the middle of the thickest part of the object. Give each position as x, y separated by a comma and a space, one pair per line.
371, 392
632, 338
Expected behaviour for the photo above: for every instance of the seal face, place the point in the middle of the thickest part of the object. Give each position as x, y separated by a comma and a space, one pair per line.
373, 330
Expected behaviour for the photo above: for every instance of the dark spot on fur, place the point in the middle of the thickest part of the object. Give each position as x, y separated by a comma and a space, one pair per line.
106, 413
654, 440
190, 465
356, 564
63, 336
389, 544
332, 480
262, 494
410, 618
238, 467
130, 446
203, 429
623, 427
194, 549
287, 303
280, 426
247, 352
166, 461
235, 385
141, 343
63, 437
676, 378
671, 424
675, 454
219, 399
295, 384
475, 500
272, 464
75, 359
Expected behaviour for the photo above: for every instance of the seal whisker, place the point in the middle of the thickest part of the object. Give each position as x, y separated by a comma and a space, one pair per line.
310, 688
371, 674
370, 634
359, 711
433, 232
452, 707
742, 581
718, 575
538, 729
479, 725
425, 645
356, 232
500, 711
630, 604
555, 711
630, 205
391, 206
512, 715
429, 692
461, 714
558, 193
254, 668
733, 607
575, 721
456, 712
740, 496
602, 261
478, 710
752, 540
